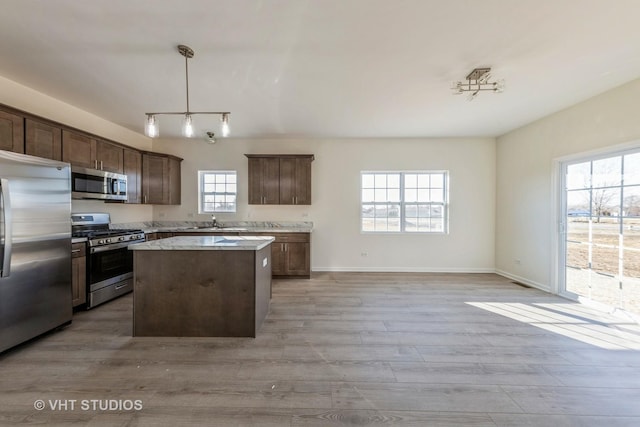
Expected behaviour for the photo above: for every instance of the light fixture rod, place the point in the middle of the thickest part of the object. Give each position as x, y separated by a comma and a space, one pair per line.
151, 128
188, 112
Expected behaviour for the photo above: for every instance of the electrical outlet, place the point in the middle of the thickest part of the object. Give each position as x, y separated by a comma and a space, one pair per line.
161, 215
189, 215
517, 261
364, 254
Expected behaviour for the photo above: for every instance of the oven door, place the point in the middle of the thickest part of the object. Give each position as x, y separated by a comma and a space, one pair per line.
108, 265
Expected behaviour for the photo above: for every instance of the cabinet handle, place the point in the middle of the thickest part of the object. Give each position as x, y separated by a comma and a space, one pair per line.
75, 251
145, 198
95, 164
101, 167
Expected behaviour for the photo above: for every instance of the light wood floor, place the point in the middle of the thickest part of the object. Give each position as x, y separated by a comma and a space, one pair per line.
346, 349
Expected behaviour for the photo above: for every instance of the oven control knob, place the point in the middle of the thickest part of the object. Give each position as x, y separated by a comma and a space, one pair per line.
108, 240
122, 239
100, 242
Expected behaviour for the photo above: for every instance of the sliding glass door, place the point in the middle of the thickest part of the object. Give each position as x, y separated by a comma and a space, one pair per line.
601, 206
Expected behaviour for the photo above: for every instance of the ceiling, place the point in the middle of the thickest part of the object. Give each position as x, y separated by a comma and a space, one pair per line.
321, 68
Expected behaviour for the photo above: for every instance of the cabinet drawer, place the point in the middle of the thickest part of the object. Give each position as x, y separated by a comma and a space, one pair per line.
78, 250
292, 237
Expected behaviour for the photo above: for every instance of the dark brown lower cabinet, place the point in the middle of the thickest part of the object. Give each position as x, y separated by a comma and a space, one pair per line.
78, 274
291, 255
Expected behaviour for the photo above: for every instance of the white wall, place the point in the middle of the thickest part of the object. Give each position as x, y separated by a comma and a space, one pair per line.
526, 159
34, 102
337, 243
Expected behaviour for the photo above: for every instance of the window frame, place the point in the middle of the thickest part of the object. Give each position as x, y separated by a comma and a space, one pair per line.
202, 194
403, 204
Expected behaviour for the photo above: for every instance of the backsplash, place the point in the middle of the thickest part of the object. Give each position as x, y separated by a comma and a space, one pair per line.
188, 224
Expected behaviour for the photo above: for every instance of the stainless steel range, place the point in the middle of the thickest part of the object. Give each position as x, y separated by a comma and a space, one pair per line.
109, 262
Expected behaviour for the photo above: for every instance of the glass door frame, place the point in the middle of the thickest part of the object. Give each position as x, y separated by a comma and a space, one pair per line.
560, 191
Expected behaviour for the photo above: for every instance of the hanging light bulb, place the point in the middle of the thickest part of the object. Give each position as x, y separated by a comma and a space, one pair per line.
151, 125
151, 129
225, 125
187, 126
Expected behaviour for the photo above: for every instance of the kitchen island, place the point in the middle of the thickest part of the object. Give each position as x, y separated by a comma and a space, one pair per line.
201, 286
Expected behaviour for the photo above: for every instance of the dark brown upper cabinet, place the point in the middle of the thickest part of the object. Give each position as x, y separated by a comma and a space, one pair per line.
161, 182
280, 179
43, 140
133, 170
11, 132
87, 152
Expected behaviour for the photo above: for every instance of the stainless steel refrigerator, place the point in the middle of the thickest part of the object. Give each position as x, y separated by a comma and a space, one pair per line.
35, 247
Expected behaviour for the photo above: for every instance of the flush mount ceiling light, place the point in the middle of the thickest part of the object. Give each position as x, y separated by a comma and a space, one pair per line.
477, 81
151, 127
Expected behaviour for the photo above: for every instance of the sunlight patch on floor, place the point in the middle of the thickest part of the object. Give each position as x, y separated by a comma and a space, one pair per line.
572, 322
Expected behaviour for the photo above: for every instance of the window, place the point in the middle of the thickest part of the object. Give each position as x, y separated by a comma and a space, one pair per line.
217, 191
404, 202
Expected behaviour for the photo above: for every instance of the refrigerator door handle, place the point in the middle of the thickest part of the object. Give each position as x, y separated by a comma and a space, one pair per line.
7, 220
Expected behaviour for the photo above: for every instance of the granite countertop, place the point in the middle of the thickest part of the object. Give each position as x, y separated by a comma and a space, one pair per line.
228, 226
199, 243
78, 239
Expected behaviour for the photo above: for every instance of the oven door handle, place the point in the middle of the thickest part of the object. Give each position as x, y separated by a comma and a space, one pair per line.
111, 247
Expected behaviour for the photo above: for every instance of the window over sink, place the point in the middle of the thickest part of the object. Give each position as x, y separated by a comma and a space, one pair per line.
404, 202
217, 191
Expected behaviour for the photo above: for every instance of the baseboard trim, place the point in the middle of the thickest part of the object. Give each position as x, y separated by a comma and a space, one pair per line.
401, 270
522, 280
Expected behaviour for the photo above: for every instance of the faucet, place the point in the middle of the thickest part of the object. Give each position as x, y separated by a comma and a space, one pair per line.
214, 223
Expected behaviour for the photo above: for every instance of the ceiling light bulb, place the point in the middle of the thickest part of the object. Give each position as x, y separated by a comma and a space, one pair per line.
151, 129
187, 126
225, 125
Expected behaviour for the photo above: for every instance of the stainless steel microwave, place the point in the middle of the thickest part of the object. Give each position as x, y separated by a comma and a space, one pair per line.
97, 184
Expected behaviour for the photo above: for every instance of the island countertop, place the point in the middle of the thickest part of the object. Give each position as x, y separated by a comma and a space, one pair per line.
199, 243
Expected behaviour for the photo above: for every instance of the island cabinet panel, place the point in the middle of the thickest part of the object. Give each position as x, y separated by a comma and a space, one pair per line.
11, 132
43, 140
198, 293
133, 169
280, 179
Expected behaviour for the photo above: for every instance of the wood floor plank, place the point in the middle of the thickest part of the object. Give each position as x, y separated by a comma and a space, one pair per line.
345, 349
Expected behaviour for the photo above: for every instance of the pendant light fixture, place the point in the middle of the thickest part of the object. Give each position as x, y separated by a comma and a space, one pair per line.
151, 127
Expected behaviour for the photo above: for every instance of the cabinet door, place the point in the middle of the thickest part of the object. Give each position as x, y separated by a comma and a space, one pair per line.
255, 181
278, 267
109, 156
11, 132
295, 181
174, 181
288, 181
297, 259
78, 274
77, 149
264, 181
303, 181
43, 140
132, 163
155, 179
